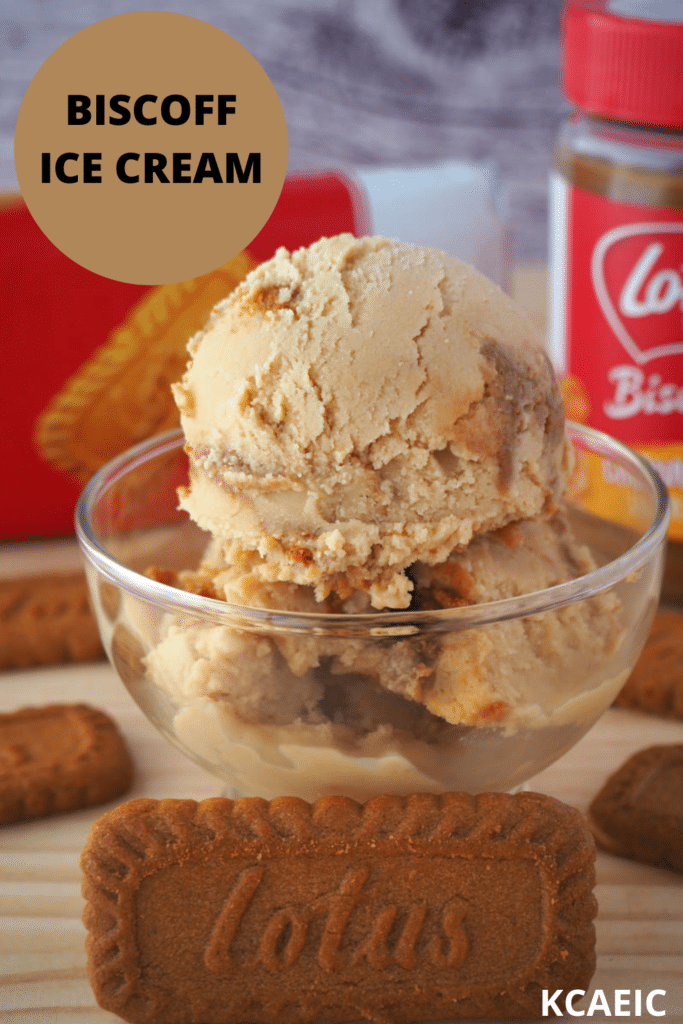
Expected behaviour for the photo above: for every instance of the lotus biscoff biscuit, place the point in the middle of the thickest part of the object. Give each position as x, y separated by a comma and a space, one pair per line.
46, 620
402, 909
656, 683
59, 757
122, 395
638, 813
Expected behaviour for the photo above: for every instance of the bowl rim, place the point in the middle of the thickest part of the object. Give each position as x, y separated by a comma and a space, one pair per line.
403, 622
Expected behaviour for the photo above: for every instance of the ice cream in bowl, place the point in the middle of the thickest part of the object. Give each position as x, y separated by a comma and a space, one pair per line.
375, 558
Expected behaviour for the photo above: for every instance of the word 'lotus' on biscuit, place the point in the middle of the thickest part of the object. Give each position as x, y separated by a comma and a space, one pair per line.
401, 909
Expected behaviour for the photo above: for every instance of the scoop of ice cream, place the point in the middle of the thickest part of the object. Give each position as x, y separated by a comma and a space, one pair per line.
362, 404
511, 672
519, 670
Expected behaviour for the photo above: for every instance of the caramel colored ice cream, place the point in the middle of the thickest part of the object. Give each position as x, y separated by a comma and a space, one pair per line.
370, 426
319, 712
511, 673
363, 404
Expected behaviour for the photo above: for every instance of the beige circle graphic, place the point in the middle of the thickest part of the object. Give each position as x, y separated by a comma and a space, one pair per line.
176, 152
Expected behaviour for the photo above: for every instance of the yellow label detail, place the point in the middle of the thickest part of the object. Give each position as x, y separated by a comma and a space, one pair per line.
613, 491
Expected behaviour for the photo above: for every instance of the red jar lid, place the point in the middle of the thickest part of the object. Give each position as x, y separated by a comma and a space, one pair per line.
623, 59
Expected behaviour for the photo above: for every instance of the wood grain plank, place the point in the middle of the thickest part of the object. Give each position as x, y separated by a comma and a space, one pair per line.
31, 865
44, 992
640, 937
43, 899
640, 902
37, 935
55, 1014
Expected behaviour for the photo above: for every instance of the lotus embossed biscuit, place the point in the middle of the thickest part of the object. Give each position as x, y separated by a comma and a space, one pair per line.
400, 910
59, 757
638, 812
373, 427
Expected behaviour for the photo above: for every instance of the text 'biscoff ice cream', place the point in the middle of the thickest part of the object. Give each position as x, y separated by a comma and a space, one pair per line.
361, 405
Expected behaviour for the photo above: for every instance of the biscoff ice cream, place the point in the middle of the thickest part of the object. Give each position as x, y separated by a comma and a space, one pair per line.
363, 404
355, 711
374, 426
515, 672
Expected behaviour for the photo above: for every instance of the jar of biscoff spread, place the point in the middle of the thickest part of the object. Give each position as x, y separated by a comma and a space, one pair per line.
616, 292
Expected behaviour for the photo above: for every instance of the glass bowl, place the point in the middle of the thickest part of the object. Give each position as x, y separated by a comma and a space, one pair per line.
276, 702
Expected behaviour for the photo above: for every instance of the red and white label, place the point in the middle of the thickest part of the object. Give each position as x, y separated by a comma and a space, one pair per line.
618, 322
